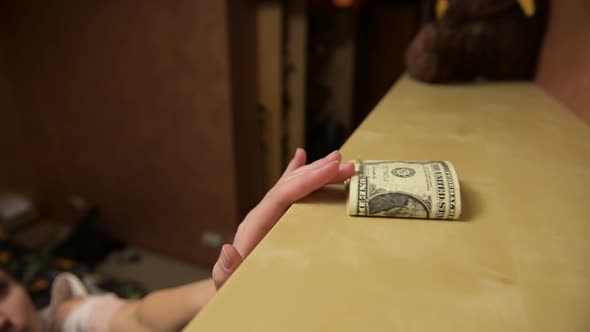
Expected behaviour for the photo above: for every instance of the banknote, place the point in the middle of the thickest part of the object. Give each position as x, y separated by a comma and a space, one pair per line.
404, 189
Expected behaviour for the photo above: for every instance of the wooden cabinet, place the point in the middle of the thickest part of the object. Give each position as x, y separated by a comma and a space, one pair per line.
146, 110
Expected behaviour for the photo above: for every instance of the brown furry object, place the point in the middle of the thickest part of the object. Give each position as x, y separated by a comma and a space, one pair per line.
490, 39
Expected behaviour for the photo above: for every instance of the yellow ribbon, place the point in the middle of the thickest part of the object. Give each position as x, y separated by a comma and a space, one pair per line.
441, 8
527, 6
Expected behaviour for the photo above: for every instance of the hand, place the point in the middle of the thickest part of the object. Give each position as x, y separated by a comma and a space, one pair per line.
298, 181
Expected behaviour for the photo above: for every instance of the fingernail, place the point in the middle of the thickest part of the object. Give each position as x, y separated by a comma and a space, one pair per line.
344, 165
332, 153
225, 259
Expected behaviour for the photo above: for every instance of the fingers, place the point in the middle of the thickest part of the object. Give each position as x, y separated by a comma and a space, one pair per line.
345, 171
305, 183
298, 160
297, 182
228, 262
334, 156
268, 212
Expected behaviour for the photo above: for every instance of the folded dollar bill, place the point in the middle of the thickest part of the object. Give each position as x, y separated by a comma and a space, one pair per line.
404, 189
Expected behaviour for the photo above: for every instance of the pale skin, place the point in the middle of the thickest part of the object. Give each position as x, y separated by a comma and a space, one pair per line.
171, 309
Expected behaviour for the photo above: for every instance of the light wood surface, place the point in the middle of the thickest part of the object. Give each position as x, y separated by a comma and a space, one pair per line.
518, 260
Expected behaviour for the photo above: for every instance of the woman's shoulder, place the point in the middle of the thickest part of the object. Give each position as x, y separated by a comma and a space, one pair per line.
72, 309
67, 286
67, 292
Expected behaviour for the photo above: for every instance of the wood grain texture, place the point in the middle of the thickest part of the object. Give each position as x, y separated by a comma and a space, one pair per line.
517, 260
18, 171
564, 65
133, 108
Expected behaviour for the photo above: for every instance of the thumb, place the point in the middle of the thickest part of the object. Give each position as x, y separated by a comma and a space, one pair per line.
228, 262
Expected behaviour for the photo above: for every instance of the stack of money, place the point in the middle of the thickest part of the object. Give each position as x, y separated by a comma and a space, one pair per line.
404, 189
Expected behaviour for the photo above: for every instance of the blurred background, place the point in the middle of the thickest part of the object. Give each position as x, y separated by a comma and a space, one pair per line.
136, 136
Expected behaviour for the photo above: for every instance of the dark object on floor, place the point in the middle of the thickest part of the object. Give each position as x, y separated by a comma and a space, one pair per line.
489, 39
125, 289
90, 242
34, 270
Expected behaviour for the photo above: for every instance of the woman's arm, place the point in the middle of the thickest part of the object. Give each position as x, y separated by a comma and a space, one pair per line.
171, 309
165, 310
298, 181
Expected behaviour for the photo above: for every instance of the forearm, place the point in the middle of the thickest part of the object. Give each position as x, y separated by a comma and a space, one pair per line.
255, 226
165, 310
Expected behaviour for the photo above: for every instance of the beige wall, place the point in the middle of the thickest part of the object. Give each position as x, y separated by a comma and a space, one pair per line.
132, 105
